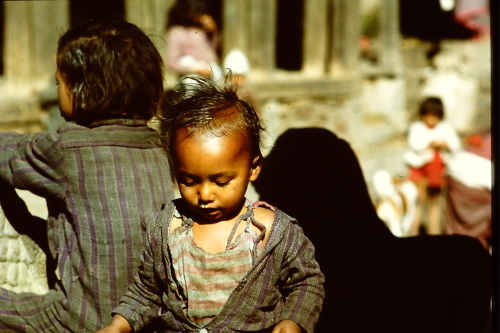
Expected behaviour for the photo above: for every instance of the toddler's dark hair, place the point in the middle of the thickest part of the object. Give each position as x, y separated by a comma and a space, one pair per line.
432, 105
112, 69
198, 104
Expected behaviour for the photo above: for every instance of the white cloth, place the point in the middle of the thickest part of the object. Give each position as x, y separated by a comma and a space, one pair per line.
471, 170
237, 62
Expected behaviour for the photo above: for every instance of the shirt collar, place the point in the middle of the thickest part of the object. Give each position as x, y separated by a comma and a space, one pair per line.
120, 122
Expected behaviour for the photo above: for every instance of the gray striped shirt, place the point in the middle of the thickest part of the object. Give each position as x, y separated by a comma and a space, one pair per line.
102, 184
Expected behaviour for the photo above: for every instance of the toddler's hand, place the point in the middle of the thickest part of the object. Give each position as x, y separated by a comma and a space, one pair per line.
118, 325
439, 145
287, 326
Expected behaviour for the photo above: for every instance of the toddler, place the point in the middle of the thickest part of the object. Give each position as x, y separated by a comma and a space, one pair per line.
430, 142
214, 261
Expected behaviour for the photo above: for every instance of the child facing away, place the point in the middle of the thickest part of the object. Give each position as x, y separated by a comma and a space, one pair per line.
103, 175
214, 261
431, 141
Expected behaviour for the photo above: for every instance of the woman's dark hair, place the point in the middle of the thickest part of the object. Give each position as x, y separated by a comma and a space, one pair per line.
112, 69
186, 13
432, 105
198, 104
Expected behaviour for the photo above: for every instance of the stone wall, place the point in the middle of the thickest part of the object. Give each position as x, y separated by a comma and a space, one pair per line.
22, 263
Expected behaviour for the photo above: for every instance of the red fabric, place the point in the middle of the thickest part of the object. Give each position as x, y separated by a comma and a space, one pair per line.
480, 144
474, 14
434, 171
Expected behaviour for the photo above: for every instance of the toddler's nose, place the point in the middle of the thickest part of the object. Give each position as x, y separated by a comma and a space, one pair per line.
205, 193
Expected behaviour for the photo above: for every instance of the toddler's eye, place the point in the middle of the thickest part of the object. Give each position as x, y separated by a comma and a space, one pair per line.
188, 183
222, 184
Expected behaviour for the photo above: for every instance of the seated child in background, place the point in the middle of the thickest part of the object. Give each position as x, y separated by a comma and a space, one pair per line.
192, 37
214, 261
430, 142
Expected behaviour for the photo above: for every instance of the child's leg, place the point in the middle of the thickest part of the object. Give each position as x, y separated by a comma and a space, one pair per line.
422, 198
415, 227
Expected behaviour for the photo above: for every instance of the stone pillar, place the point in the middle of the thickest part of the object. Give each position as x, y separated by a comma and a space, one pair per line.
251, 27
389, 36
151, 17
316, 37
32, 29
236, 21
346, 34
263, 35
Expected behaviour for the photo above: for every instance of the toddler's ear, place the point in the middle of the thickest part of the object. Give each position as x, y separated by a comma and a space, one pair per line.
255, 168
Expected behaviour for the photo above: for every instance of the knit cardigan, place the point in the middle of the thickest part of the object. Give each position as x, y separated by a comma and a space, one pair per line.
285, 282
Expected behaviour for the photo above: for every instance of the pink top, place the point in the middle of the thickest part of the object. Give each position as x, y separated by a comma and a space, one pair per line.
189, 41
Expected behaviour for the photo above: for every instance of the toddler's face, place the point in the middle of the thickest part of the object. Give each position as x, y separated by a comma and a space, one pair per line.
431, 120
213, 174
65, 97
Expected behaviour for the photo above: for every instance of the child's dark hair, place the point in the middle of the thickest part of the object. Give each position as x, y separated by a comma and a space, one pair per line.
112, 69
432, 105
186, 12
198, 104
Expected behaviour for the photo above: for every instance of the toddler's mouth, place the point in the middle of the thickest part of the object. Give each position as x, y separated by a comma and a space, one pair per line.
209, 213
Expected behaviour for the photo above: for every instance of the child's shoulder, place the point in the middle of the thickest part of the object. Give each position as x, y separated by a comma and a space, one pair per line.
268, 214
265, 215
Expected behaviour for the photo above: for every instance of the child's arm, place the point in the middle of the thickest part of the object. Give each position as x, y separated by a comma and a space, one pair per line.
33, 162
418, 137
303, 282
452, 140
117, 325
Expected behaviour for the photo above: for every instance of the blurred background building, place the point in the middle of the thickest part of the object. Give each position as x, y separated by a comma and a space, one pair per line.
356, 67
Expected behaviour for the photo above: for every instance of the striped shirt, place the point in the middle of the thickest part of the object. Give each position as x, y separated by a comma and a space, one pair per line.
206, 280
102, 184
284, 282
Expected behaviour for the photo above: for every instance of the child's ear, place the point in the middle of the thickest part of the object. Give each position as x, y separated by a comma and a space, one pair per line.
255, 168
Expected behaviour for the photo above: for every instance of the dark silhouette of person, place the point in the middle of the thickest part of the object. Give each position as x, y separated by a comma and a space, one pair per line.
375, 282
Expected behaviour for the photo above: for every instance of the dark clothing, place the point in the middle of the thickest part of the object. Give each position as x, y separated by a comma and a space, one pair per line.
102, 184
284, 283
374, 281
